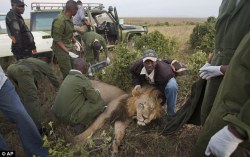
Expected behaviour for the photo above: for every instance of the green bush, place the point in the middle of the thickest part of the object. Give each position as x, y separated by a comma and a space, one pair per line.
118, 73
164, 47
197, 60
203, 36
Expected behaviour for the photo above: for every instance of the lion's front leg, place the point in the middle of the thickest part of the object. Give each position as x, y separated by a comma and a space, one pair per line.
100, 121
120, 128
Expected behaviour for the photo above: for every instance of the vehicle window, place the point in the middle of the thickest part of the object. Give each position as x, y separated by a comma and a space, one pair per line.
103, 17
42, 21
3, 29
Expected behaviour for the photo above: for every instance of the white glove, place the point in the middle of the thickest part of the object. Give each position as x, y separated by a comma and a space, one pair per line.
90, 73
98, 91
223, 143
77, 46
72, 55
108, 60
210, 71
205, 65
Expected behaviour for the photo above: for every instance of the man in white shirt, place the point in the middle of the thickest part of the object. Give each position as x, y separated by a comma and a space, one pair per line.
80, 22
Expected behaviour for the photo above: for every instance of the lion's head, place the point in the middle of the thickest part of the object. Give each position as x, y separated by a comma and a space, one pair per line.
146, 102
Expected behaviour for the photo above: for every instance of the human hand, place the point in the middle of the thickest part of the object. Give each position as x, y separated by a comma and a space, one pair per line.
108, 60
205, 65
77, 46
210, 71
72, 55
13, 39
223, 143
34, 51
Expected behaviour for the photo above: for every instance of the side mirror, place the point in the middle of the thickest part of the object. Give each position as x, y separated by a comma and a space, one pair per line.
121, 21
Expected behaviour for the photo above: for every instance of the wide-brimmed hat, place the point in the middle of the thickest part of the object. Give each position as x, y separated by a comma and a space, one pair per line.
149, 54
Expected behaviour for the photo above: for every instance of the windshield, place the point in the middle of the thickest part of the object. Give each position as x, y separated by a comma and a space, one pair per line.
42, 21
103, 17
2, 25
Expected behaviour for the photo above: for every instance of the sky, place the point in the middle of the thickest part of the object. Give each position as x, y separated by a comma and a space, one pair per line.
144, 8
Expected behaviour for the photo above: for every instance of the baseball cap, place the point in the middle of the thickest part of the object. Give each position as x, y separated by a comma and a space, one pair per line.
149, 54
20, 2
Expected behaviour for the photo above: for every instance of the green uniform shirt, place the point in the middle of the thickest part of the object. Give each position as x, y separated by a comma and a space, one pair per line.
62, 29
232, 25
77, 101
88, 39
24, 74
232, 103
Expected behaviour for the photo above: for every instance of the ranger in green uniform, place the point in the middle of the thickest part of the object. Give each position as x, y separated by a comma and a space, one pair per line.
232, 25
93, 44
63, 40
25, 73
77, 102
229, 121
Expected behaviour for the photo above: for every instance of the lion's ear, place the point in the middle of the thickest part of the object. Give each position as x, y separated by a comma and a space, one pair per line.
136, 92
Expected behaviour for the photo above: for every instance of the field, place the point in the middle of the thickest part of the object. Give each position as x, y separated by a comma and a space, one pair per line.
139, 142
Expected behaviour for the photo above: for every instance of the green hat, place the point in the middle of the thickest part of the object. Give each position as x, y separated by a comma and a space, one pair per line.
149, 54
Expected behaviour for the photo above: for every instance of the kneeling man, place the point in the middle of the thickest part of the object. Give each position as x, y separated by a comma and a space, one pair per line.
77, 102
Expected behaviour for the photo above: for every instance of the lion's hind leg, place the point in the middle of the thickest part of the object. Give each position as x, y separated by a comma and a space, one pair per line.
100, 121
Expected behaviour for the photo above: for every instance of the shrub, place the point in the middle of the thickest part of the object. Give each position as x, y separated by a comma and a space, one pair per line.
197, 60
118, 73
203, 36
165, 47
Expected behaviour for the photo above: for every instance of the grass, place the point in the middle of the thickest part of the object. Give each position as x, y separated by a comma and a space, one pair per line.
139, 142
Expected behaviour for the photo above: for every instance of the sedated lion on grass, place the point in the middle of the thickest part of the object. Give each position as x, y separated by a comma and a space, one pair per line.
145, 103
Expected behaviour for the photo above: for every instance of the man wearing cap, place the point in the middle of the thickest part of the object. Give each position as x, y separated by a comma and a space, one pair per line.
23, 44
63, 40
151, 71
94, 43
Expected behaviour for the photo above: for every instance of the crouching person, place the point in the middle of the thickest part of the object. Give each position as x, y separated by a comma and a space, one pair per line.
151, 71
12, 107
77, 102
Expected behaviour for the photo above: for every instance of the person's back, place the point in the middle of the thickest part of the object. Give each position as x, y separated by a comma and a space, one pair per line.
23, 44
77, 101
25, 74
232, 25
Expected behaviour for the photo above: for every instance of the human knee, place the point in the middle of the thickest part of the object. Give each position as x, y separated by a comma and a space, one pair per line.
171, 86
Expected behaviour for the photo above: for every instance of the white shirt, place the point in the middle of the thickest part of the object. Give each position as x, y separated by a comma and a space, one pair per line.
76, 71
149, 77
79, 17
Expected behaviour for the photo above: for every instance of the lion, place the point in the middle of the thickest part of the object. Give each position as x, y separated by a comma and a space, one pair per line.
144, 103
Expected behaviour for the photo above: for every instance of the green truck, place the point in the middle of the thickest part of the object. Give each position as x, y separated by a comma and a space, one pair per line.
103, 21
